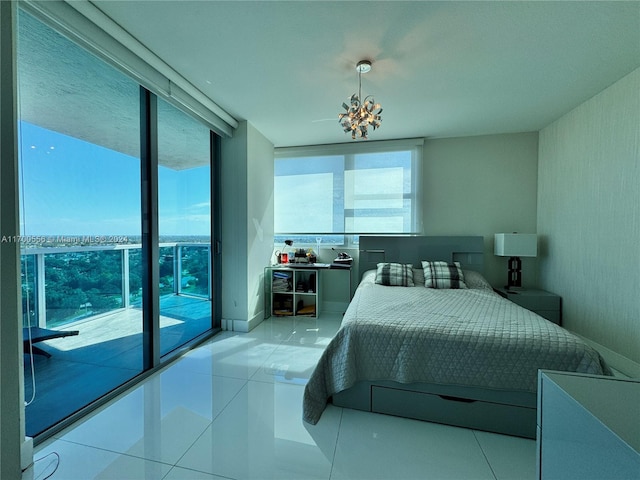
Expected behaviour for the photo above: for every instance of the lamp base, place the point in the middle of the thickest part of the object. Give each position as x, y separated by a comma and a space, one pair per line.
514, 278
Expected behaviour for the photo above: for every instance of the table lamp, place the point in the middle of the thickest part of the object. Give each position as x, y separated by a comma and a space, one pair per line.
514, 246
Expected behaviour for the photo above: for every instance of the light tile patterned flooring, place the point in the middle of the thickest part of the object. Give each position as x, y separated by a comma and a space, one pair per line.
232, 409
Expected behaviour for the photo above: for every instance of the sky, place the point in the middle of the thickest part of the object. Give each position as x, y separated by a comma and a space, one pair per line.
75, 188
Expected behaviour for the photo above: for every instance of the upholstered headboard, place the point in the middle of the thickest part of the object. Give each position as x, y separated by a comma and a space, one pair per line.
469, 251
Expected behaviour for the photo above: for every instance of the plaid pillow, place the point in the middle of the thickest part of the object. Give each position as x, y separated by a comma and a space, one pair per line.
443, 275
395, 274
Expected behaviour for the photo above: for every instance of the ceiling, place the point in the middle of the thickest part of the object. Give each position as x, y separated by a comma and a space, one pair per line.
440, 69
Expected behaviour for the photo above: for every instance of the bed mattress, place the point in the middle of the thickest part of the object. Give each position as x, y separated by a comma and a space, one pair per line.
465, 337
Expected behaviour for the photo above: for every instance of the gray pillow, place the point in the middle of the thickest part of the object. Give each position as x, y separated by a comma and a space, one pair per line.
474, 279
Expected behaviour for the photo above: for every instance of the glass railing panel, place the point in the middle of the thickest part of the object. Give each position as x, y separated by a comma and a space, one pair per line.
167, 271
167, 280
135, 276
81, 285
91, 280
29, 293
194, 274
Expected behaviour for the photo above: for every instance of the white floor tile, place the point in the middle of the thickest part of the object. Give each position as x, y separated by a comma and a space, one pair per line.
239, 356
203, 394
160, 419
289, 363
511, 458
273, 329
79, 462
178, 473
372, 446
314, 331
261, 435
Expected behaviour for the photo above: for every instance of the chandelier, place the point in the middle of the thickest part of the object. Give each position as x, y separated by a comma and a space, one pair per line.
360, 115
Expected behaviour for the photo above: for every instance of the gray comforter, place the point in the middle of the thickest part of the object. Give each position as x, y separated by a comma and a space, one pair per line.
470, 337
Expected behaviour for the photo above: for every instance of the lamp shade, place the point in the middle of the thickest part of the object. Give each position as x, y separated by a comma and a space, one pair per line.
516, 245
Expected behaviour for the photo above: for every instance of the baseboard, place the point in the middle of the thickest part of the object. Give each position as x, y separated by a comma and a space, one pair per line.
243, 326
26, 453
617, 362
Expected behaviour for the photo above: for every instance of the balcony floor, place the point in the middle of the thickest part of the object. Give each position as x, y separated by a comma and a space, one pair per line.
106, 353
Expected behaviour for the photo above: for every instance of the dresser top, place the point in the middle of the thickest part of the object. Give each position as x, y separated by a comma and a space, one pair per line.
614, 401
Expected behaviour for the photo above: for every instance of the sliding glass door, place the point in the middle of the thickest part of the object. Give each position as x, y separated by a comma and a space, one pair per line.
88, 324
80, 223
184, 207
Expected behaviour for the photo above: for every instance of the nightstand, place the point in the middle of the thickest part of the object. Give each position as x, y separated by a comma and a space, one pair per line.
545, 304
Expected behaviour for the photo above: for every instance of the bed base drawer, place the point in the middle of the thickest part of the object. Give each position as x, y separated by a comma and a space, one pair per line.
477, 414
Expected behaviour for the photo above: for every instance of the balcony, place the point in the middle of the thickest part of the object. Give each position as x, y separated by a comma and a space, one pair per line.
81, 289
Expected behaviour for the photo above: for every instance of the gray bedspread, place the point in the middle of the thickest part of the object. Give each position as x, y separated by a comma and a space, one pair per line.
470, 337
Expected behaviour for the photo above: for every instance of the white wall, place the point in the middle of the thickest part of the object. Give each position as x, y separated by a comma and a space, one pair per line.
589, 216
234, 226
247, 225
481, 186
259, 218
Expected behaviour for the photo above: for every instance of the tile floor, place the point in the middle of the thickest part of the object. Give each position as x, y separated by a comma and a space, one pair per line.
231, 409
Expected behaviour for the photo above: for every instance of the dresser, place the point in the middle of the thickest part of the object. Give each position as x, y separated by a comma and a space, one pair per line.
588, 427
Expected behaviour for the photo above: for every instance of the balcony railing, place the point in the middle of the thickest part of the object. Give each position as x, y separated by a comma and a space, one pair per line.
61, 285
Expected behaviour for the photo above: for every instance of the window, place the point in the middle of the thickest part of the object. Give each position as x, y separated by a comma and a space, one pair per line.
334, 193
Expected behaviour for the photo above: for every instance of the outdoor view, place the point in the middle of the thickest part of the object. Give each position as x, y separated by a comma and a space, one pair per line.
81, 225
78, 205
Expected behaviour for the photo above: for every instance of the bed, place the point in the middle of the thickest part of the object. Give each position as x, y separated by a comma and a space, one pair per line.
460, 356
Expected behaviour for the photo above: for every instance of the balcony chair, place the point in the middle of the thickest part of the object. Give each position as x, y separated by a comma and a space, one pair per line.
40, 335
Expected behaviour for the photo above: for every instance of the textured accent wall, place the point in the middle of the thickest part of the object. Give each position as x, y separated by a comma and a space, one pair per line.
589, 216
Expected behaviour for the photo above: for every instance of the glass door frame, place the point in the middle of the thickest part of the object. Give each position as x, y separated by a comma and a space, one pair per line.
151, 237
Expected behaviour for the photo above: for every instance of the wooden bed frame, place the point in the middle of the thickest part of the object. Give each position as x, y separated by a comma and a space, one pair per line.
507, 412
